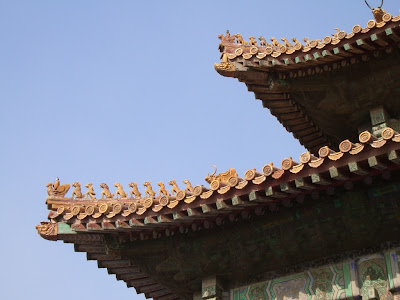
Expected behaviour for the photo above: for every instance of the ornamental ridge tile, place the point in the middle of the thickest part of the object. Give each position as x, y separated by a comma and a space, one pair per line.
234, 47
269, 186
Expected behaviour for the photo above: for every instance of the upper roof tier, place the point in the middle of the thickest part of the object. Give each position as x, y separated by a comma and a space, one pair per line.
321, 90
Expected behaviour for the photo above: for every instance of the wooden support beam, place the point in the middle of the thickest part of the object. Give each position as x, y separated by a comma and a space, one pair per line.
271, 192
179, 216
318, 179
275, 103
265, 63
209, 210
130, 276
121, 271
337, 174
168, 297
376, 163
284, 110
308, 58
302, 184
122, 225
317, 55
135, 223
149, 288
288, 61
256, 197
298, 60
157, 294
328, 55
98, 256
195, 213
341, 53
360, 43
107, 226
394, 157
355, 168
164, 219
249, 63
93, 227
139, 282
78, 227
114, 264
237, 201
90, 248
378, 40
276, 62
288, 188
351, 49
392, 35
150, 221
224, 205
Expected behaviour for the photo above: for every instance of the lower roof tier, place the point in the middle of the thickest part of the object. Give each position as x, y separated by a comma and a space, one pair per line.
163, 249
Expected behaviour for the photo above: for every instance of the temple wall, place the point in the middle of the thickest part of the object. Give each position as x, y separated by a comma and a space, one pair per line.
374, 276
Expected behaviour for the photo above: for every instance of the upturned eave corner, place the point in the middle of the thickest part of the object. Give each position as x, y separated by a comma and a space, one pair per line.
48, 230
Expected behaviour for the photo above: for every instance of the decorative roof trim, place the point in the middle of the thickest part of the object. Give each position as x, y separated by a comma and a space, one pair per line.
269, 187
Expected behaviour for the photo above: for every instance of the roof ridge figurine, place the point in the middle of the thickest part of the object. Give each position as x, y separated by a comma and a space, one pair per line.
119, 191
90, 192
56, 189
77, 192
106, 191
134, 190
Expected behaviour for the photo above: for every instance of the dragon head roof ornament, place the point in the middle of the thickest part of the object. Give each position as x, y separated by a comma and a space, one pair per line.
378, 12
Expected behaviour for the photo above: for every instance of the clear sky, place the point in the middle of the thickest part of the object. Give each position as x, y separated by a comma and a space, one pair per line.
106, 91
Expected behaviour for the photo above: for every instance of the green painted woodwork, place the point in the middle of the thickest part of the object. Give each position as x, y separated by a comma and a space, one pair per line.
65, 229
351, 280
244, 251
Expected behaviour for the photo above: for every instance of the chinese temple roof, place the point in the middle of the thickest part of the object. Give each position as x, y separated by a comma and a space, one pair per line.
83, 220
307, 85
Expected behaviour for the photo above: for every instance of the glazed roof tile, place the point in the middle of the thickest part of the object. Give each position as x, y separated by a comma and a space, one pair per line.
287, 55
84, 222
270, 186
285, 74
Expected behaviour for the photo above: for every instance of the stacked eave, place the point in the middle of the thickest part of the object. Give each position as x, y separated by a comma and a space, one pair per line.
265, 70
268, 188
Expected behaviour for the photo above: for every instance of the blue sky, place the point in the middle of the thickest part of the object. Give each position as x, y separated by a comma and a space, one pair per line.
106, 91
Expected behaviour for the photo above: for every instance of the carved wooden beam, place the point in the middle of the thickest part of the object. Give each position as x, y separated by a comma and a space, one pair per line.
257, 197
130, 276
121, 271
394, 156
302, 183
376, 163
114, 263
355, 168
317, 178
337, 174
